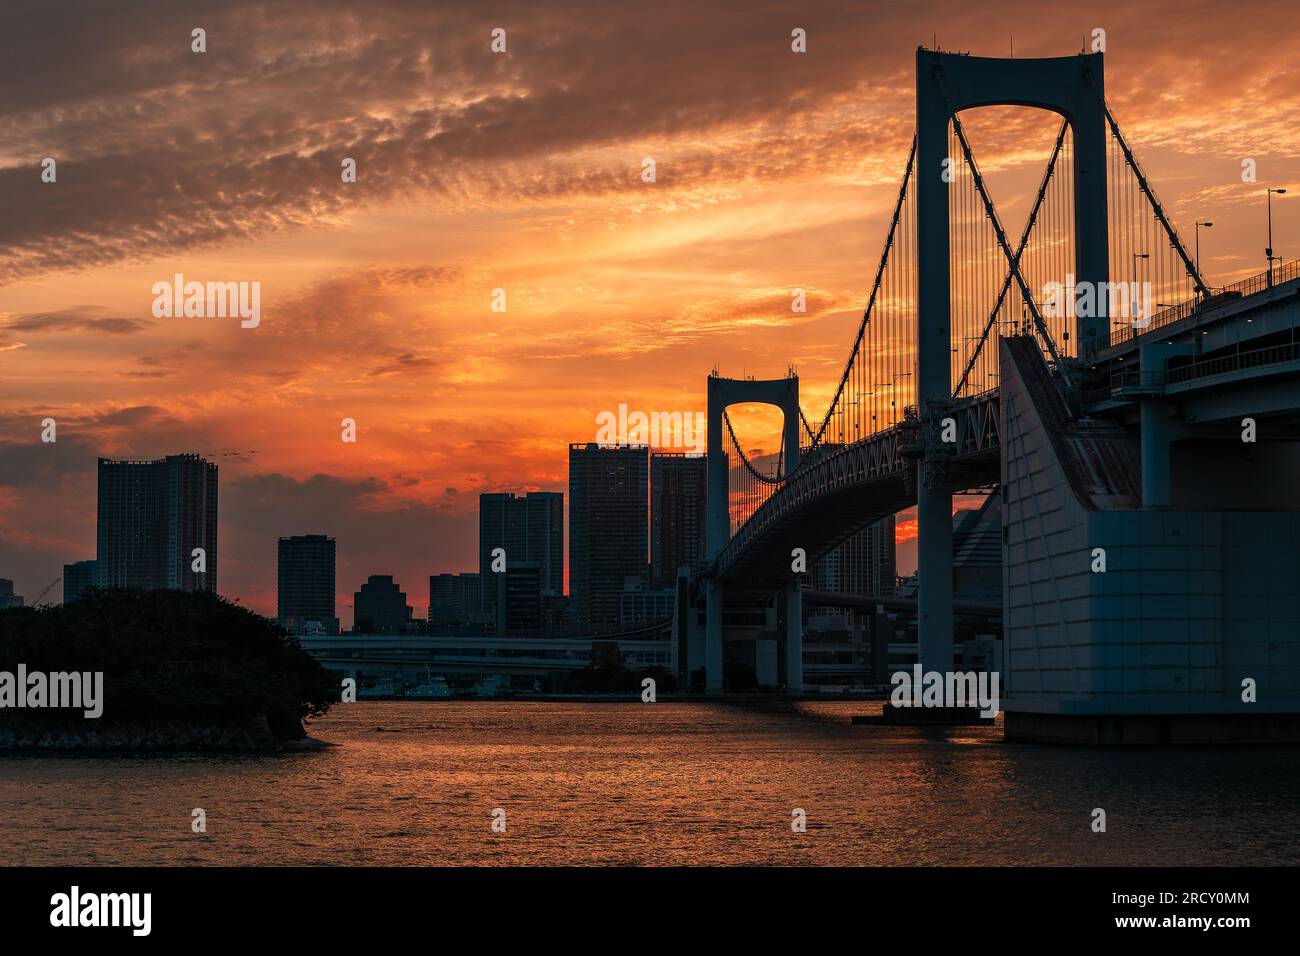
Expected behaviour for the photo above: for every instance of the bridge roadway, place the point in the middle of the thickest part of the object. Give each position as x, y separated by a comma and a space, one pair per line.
841, 489
476, 654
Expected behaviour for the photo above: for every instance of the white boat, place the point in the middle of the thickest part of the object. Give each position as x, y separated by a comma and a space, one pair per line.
381, 688
431, 688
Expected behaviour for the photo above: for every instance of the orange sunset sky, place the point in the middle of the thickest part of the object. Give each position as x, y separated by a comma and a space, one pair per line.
521, 171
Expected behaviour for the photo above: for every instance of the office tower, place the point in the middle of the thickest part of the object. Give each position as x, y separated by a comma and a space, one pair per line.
519, 601
306, 584
608, 527
637, 605
530, 529
863, 565
677, 515
78, 578
453, 597
153, 516
380, 607
977, 553
7, 596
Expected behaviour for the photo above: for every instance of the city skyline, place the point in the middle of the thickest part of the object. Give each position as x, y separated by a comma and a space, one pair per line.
143, 498
478, 401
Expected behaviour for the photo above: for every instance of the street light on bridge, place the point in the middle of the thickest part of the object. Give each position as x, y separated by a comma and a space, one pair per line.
1268, 250
1207, 225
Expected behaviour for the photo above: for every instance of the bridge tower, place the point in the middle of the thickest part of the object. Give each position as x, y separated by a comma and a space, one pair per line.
946, 84
724, 392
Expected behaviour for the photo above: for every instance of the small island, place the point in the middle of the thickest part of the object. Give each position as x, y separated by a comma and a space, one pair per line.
175, 670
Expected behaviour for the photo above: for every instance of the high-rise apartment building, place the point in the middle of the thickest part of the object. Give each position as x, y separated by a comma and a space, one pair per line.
7, 596
306, 584
158, 523
608, 527
864, 565
530, 529
677, 515
78, 578
453, 597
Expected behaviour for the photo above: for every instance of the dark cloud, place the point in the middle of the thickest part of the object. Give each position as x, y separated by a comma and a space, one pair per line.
167, 149
161, 149
407, 362
79, 319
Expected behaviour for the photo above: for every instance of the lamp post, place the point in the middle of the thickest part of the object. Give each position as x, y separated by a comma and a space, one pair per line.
1268, 251
1207, 225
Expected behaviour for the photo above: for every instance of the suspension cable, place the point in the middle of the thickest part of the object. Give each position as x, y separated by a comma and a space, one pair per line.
992, 213
1024, 242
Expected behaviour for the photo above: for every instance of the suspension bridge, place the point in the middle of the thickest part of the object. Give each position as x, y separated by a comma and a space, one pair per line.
1084, 371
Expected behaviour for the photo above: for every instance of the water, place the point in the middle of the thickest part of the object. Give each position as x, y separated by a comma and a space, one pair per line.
665, 783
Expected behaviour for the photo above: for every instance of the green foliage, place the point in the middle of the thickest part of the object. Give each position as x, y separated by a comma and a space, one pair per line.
172, 655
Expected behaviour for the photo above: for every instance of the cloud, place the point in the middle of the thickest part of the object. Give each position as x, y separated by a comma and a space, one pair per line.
85, 318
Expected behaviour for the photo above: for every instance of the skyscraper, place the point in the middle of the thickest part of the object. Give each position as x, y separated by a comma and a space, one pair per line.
153, 518
519, 597
677, 514
380, 606
863, 565
608, 527
306, 584
453, 597
78, 578
530, 529
7, 596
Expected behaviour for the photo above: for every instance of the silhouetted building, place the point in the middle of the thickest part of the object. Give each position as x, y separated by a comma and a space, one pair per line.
608, 527
977, 553
153, 515
380, 607
454, 597
306, 584
78, 578
519, 600
7, 596
639, 605
529, 529
863, 565
677, 515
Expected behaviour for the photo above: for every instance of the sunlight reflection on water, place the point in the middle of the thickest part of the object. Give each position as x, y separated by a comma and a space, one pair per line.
415, 783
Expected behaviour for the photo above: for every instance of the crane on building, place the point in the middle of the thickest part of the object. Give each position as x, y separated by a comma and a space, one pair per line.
36, 602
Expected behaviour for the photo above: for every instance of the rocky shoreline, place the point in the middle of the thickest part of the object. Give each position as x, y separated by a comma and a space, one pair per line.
253, 734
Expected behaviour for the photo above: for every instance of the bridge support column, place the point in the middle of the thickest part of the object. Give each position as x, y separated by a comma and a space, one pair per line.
1157, 489
1157, 429
880, 634
793, 637
934, 576
713, 638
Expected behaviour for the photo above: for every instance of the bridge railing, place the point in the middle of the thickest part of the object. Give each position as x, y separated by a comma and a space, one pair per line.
1131, 379
1255, 358
1228, 293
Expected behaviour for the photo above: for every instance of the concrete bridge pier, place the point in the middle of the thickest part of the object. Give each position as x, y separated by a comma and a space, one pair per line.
1157, 430
934, 634
713, 637
793, 637
1156, 484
